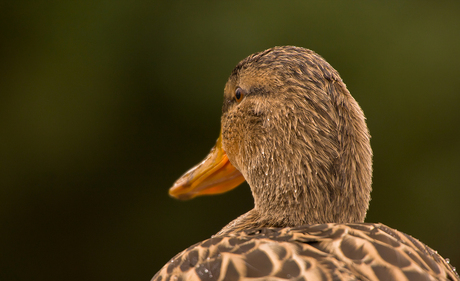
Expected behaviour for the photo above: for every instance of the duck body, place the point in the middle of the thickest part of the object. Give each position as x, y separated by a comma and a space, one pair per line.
291, 129
311, 252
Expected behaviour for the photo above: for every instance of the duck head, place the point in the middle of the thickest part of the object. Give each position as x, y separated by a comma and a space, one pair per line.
291, 129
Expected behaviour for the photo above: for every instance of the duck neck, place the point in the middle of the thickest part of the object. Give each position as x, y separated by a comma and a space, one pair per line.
287, 195
309, 170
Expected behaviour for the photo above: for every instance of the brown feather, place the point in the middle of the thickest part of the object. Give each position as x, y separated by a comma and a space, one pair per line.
301, 142
299, 139
315, 252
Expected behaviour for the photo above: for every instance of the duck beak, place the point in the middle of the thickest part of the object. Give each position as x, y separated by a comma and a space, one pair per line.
214, 175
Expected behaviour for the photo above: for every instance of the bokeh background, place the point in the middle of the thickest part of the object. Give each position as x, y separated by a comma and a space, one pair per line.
104, 104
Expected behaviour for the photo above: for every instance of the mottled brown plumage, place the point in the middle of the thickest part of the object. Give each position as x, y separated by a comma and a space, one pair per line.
315, 252
292, 129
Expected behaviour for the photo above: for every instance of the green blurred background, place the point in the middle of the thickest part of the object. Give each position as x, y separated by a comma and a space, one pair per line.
104, 104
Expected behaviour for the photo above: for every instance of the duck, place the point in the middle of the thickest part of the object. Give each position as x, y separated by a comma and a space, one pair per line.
291, 129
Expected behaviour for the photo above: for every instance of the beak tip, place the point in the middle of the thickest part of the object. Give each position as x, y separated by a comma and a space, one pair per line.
182, 197
177, 192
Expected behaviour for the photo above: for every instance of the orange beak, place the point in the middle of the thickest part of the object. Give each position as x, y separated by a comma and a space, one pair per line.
214, 175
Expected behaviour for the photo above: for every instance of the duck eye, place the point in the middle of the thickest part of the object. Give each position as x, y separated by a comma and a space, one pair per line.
239, 94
